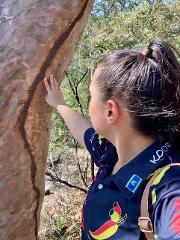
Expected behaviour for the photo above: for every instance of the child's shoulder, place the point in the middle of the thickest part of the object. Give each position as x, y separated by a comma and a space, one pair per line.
168, 174
166, 184
164, 203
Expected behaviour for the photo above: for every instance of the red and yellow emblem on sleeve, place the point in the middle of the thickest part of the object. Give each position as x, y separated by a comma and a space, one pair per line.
110, 227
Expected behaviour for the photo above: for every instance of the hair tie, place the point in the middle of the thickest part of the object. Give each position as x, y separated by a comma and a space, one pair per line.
147, 52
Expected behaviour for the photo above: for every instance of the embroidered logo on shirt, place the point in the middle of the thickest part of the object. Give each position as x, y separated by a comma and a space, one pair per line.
92, 139
109, 228
160, 153
133, 183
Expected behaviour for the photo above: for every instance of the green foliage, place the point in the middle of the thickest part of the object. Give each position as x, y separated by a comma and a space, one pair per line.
56, 230
113, 25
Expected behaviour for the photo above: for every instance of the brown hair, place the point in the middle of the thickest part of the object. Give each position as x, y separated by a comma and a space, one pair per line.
148, 83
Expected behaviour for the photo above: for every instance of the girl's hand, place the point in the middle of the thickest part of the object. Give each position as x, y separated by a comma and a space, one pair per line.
54, 96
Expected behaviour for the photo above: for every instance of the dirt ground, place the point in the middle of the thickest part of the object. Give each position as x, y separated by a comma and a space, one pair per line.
61, 210
61, 215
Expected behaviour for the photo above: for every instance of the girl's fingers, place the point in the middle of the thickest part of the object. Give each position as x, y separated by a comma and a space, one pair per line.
52, 80
47, 84
56, 83
51, 77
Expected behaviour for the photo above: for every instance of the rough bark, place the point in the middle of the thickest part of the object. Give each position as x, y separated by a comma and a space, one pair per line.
37, 38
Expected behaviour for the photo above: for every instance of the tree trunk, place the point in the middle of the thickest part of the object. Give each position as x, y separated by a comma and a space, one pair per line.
38, 37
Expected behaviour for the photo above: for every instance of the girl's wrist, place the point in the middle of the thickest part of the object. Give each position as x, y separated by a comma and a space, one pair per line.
60, 104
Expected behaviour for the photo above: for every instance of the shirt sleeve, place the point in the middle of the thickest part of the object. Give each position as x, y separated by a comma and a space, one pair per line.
99, 148
167, 213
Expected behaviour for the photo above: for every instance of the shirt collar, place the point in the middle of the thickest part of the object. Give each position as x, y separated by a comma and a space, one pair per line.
131, 176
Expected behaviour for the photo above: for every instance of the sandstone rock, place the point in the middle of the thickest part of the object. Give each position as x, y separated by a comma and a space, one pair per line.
38, 37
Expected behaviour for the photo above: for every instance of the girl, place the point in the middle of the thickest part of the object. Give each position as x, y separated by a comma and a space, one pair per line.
135, 102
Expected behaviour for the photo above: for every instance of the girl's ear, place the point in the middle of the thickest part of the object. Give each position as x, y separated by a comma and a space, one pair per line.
112, 111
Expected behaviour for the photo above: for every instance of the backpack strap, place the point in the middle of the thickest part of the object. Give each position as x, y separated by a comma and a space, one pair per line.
144, 220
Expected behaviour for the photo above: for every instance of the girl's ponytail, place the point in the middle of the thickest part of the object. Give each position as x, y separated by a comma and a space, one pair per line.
165, 56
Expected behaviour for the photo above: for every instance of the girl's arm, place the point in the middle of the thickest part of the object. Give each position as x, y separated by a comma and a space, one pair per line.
76, 123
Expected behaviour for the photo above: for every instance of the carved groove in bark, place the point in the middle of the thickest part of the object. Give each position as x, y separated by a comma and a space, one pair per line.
24, 112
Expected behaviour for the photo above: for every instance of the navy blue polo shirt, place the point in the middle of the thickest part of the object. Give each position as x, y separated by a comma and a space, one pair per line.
112, 205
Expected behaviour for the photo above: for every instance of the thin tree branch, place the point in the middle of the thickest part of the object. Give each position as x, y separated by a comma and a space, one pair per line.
56, 179
83, 76
79, 167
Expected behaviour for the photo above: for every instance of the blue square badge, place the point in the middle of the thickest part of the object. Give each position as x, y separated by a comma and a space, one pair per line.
133, 183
